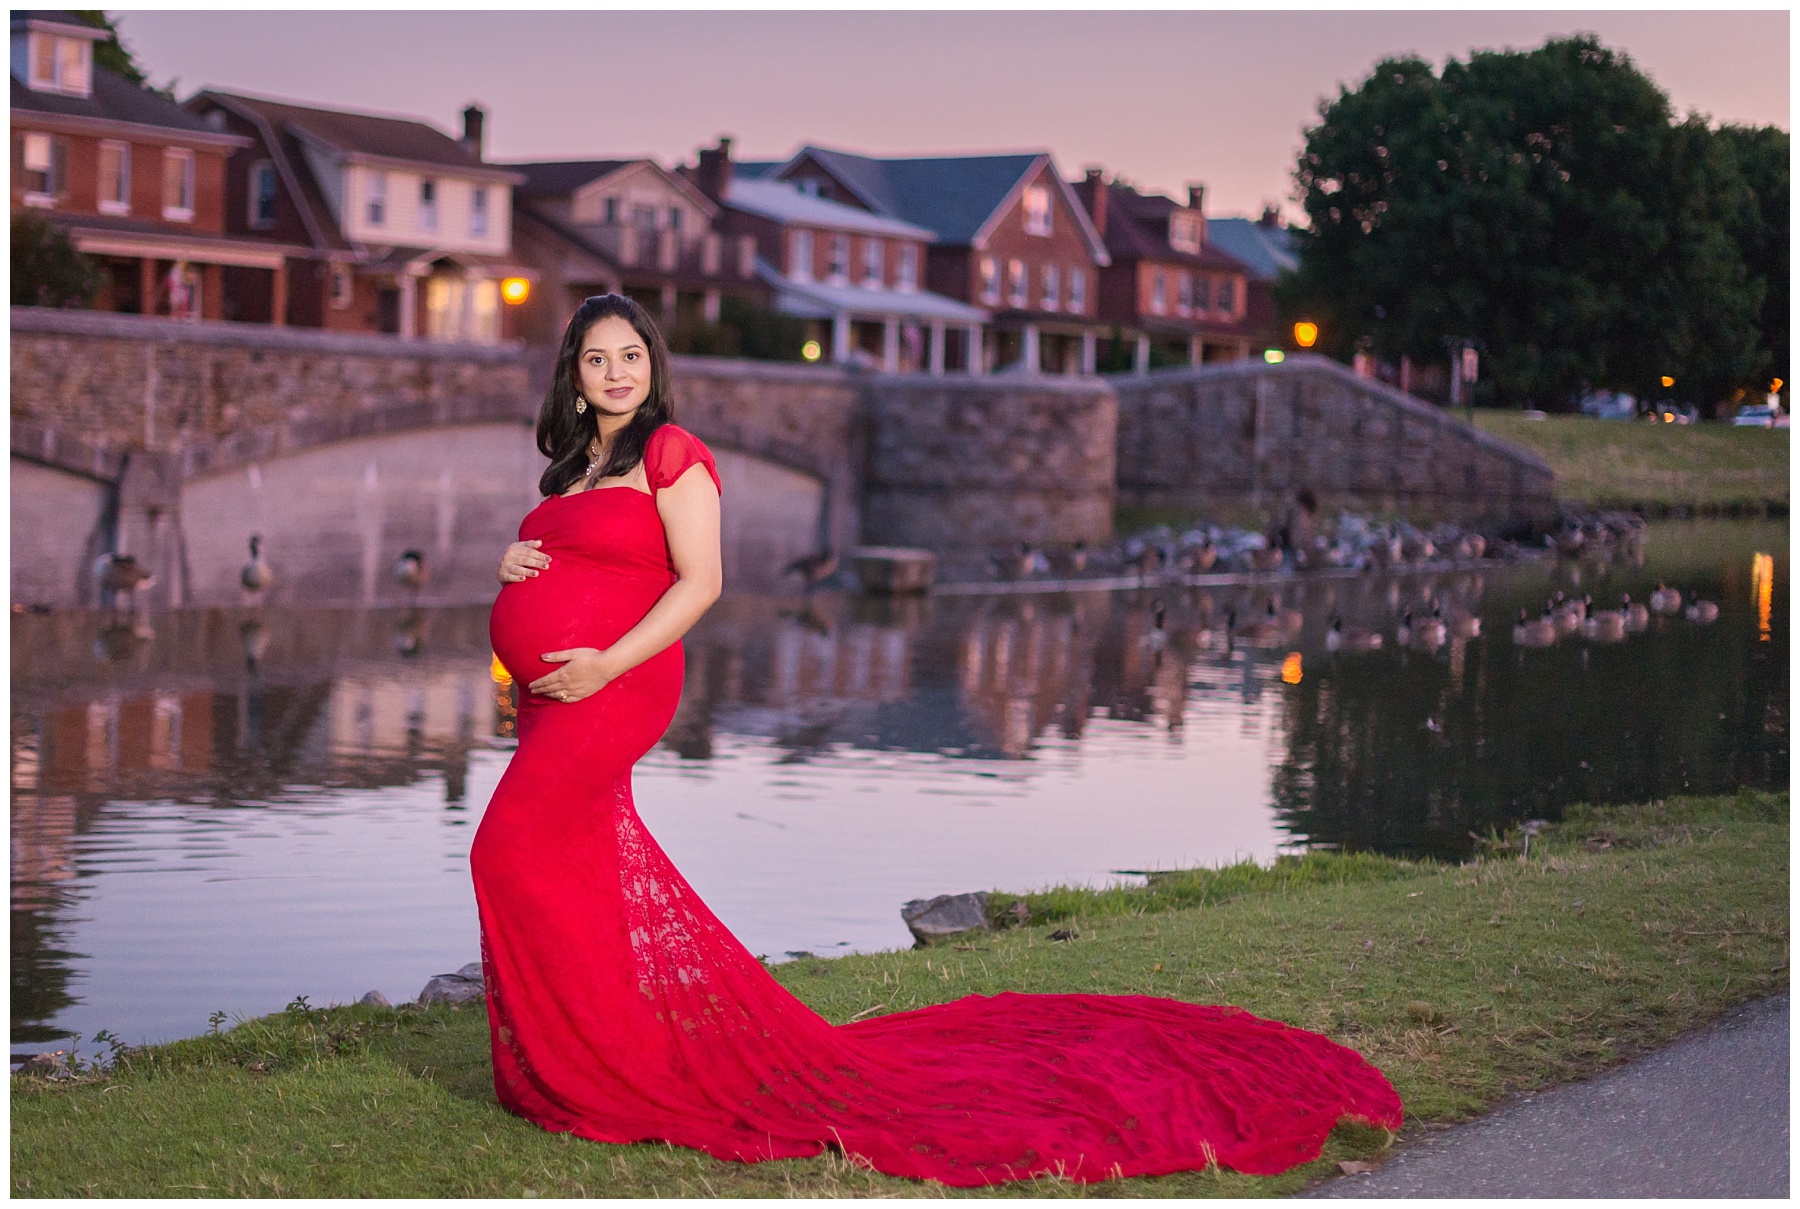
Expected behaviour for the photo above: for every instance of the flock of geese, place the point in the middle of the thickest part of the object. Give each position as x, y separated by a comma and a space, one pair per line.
1565, 618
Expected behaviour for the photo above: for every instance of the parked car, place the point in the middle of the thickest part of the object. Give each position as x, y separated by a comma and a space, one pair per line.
1609, 405
1757, 416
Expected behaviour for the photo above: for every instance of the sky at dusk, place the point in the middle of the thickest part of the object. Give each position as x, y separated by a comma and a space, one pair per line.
1160, 98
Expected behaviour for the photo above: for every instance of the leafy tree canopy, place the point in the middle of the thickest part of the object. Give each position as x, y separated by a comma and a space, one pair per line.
46, 268
1546, 206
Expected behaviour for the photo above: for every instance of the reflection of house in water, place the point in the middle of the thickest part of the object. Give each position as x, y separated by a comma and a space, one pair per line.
1018, 666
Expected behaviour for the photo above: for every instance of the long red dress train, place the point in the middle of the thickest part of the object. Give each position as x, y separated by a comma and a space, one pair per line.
621, 1010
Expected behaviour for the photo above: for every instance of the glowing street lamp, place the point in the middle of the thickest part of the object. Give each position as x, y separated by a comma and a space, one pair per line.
515, 290
811, 350
1274, 356
1667, 381
1306, 333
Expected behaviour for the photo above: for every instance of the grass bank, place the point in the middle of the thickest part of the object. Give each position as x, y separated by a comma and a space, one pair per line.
1663, 469
1622, 928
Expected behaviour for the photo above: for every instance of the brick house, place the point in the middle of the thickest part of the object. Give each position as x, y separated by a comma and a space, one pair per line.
400, 228
136, 181
1170, 296
857, 277
626, 226
1266, 249
1011, 238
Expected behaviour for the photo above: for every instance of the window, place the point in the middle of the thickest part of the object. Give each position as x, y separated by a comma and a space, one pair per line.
1202, 293
840, 257
1037, 210
1018, 282
428, 192
61, 64
343, 286
810, 187
45, 159
990, 281
1184, 231
1184, 294
1227, 295
178, 184
1078, 290
262, 194
675, 218
643, 217
800, 256
611, 212
1158, 282
115, 177
909, 266
873, 263
377, 207
1052, 287
478, 211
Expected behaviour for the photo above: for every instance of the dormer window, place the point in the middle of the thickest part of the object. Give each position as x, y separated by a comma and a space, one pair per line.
377, 199
428, 209
1184, 231
60, 64
1037, 210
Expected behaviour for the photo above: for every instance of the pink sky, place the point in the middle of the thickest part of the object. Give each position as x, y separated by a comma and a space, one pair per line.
1161, 98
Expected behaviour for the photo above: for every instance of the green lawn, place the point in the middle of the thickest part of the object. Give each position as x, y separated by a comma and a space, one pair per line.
1464, 983
1709, 467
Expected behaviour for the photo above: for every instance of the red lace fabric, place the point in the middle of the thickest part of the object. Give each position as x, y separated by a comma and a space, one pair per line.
621, 1010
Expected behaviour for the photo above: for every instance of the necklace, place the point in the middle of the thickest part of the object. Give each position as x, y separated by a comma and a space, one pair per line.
593, 450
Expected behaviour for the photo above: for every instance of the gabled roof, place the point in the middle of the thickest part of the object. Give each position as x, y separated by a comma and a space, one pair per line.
1267, 252
1137, 226
754, 170
116, 99
369, 136
564, 176
24, 17
957, 196
783, 202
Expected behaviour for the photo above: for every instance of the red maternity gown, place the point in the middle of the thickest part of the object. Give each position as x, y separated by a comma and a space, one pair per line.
621, 1010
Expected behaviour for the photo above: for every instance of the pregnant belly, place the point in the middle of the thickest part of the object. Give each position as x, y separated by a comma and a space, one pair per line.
569, 605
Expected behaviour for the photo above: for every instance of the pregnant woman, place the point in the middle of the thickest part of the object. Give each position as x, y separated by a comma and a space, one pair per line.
621, 1010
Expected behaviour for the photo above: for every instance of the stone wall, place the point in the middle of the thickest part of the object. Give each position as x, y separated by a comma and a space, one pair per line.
1199, 438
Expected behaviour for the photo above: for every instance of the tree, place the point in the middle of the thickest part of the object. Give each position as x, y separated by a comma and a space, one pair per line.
1760, 155
1543, 205
115, 56
46, 268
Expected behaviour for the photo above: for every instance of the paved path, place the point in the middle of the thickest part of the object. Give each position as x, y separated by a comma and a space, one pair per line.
1708, 1116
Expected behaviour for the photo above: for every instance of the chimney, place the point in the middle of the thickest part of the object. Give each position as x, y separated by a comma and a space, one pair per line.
1095, 187
473, 118
713, 174
1271, 217
1196, 197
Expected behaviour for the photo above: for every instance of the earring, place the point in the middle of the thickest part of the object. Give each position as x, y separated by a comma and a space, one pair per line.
580, 403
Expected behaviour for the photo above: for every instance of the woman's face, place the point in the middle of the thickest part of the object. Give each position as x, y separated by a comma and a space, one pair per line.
613, 370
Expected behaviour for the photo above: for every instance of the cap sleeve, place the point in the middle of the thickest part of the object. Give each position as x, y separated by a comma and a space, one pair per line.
670, 452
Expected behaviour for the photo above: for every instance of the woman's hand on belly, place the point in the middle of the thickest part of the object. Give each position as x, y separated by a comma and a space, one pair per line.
522, 561
585, 671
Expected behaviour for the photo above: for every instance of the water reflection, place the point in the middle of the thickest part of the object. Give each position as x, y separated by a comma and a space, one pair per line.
236, 807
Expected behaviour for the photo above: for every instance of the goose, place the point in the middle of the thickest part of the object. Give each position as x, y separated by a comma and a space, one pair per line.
1636, 615
1158, 637
1075, 559
1539, 632
1200, 559
410, 571
1430, 631
1604, 625
1262, 633
1702, 612
1566, 615
1471, 546
1266, 558
1351, 641
1464, 625
257, 574
120, 574
813, 569
255, 637
1665, 599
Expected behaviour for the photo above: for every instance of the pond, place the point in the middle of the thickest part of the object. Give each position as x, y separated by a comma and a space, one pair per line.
221, 811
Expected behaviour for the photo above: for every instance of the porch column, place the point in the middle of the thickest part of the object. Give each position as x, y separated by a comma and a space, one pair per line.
709, 306
890, 345
1196, 350
409, 304
278, 296
1028, 349
1140, 363
147, 286
840, 337
211, 303
977, 354
668, 308
1243, 350
937, 347
1090, 351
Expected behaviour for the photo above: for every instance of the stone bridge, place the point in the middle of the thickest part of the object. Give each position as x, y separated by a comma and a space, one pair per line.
176, 441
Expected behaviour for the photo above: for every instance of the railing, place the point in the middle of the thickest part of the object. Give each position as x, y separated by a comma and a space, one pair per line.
666, 251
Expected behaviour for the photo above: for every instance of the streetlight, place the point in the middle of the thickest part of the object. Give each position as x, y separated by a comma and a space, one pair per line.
515, 290
1667, 381
1306, 333
1274, 356
811, 350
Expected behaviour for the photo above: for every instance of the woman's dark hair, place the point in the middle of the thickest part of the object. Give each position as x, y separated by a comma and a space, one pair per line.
563, 435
